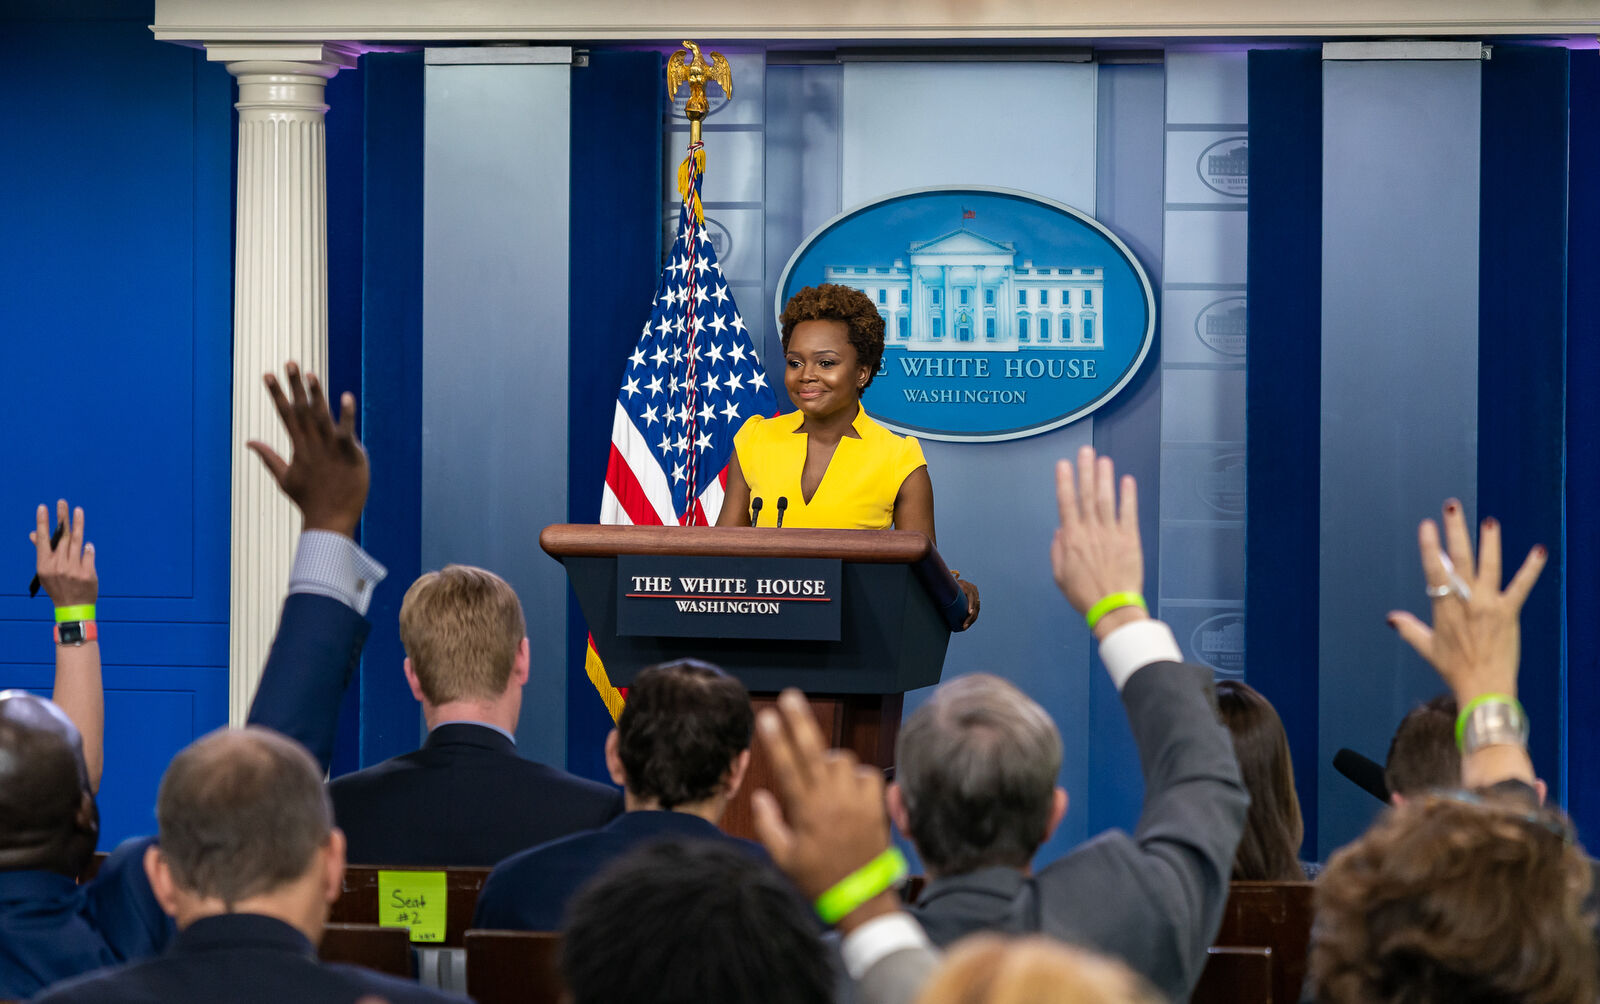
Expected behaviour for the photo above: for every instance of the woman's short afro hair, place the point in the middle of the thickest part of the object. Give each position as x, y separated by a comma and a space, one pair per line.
851, 307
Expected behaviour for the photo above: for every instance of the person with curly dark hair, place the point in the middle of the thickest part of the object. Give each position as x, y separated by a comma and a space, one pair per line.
1453, 901
679, 751
828, 464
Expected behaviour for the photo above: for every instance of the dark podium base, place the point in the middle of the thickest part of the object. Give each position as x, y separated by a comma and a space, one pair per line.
865, 724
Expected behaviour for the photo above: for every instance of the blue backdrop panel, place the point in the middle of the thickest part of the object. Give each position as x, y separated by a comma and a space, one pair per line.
1582, 796
495, 339
1399, 423
1128, 181
1522, 316
390, 336
616, 256
1283, 391
116, 270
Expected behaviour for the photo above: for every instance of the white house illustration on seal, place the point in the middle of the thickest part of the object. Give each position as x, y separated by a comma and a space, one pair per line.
965, 293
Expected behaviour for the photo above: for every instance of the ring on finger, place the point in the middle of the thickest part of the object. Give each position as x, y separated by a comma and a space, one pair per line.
1440, 592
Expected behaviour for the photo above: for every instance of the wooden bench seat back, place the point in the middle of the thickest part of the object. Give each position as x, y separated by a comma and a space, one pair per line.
358, 900
514, 967
1238, 976
1275, 915
386, 949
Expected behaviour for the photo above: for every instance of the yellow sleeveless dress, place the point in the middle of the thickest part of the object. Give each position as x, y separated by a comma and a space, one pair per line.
857, 490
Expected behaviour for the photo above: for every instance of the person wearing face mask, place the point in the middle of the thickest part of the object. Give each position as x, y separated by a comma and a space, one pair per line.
833, 466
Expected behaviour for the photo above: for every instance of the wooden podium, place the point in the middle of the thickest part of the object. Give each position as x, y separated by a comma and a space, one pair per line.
896, 606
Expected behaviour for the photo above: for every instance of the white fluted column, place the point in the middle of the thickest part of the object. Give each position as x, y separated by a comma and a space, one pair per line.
280, 312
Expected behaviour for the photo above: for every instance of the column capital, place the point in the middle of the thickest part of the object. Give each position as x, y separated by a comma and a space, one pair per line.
322, 59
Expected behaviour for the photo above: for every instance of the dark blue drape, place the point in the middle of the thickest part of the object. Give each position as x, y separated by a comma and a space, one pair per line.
616, 255
390, 266
1583, 445
1282, 399
1522, 307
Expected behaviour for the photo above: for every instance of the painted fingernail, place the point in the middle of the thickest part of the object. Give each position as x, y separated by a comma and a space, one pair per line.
1452, 507
1539, 550
1392, 621
1490, 523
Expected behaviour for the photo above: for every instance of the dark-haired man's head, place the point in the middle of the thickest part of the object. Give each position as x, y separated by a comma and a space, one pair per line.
1446, 901
48, 818
466, 646
975, 777
698, 921
246, 827
1423, 755
683, 740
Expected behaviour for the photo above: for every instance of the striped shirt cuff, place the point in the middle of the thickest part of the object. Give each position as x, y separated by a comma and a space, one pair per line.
332, 565
1134, 646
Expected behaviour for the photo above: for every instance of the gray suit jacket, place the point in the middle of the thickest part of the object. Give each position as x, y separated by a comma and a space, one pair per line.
1153, 899
896, 978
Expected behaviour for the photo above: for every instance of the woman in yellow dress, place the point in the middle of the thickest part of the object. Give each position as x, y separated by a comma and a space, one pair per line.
829, 460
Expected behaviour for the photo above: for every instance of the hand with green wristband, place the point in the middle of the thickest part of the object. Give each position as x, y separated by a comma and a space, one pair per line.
1475, 640
831, 833
66, 571
1096, 554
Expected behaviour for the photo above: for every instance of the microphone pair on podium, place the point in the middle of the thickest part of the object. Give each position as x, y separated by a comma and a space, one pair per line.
755, 509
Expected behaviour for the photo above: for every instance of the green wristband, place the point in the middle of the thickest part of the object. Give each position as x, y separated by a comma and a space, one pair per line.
1116, 601
872, 878
81, 612
1475, 704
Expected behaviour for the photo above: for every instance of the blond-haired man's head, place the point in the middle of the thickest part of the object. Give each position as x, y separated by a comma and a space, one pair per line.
466, 645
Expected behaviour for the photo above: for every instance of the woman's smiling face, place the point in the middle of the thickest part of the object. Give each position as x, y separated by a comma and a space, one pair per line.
824, 373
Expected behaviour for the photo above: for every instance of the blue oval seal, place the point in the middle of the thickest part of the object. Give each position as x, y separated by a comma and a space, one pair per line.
1006, 314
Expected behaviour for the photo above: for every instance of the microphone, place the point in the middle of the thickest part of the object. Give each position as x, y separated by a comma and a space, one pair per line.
783, 503
755, 510
1365, 772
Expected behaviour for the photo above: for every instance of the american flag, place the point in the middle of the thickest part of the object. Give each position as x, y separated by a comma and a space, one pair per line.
693, 379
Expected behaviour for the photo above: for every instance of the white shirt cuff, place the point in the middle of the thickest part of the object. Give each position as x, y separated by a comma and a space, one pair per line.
879, 938
332, 565
1134, 646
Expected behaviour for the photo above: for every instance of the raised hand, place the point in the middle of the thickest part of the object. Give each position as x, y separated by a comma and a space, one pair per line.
832, 819
66, 571
326, 475
1475, 640
1096, 551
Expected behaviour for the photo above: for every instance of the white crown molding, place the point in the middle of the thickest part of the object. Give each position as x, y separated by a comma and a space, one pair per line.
197, 21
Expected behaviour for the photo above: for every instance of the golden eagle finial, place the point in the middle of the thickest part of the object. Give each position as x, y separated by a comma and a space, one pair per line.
696, 72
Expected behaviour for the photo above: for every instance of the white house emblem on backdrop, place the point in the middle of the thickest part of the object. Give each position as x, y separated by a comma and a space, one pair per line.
1005, 314
1224, 166
1219, 643
964, 291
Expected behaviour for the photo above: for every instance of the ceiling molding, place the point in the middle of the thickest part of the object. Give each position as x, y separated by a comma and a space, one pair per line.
631, 20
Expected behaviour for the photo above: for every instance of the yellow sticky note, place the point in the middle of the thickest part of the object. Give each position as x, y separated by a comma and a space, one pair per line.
415, 900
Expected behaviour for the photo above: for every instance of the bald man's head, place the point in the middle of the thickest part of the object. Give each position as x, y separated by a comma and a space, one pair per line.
48, 818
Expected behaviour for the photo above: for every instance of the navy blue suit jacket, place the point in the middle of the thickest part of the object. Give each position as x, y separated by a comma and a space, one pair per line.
51, 928
465, 798
529, 892
317, 648
242, 958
